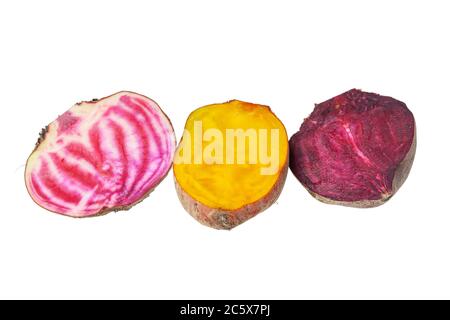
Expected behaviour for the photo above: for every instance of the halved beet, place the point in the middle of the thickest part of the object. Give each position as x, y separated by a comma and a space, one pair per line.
355, 149
100, 156
216, 190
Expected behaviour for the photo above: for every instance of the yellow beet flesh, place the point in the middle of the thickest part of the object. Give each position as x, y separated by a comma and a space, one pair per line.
230, 185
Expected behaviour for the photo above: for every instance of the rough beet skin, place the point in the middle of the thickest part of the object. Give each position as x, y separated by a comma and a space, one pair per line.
355, 149
101, 155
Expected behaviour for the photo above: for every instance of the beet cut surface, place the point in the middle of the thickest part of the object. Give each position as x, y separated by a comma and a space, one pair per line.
101, 155
355, 149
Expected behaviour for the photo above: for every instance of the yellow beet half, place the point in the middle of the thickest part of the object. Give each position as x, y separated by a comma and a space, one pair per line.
231, 162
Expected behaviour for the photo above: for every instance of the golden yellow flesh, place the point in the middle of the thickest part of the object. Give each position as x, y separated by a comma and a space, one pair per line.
230, 186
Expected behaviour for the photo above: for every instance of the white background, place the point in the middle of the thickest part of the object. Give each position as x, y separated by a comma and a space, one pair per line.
185, 54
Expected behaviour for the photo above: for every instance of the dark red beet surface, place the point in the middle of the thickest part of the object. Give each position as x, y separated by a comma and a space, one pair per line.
350, 147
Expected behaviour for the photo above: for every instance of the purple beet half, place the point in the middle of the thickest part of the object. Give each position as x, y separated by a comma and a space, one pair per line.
355, 149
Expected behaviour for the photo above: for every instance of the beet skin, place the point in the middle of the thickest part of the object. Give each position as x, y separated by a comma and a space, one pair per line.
355, 149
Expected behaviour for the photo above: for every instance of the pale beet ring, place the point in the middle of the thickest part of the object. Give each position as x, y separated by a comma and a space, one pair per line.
355, 149
101, 156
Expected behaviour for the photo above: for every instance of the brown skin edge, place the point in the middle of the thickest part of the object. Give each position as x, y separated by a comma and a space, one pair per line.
223, 219
104, 211
401, 173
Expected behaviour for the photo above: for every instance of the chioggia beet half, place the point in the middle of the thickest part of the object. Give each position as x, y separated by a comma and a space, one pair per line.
101, 156
355, 149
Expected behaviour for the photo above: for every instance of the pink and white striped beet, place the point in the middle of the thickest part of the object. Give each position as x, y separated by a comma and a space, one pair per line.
101, 156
